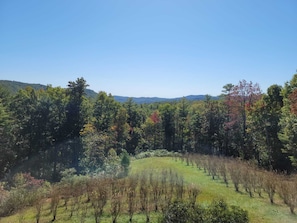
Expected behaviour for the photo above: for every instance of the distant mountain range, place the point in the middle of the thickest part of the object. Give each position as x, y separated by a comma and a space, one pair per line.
15, 86
147, 100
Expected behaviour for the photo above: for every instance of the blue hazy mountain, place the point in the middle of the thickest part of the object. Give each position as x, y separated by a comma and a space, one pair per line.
15, 86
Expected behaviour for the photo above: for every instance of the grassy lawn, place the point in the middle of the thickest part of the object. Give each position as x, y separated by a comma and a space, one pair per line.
260, 210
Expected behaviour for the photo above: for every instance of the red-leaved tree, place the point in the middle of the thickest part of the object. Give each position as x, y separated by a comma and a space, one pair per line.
240, 99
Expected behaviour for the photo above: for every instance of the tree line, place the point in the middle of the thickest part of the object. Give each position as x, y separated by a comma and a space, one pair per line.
47, 131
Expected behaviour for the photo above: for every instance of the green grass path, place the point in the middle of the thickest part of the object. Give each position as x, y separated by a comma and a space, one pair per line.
260, 210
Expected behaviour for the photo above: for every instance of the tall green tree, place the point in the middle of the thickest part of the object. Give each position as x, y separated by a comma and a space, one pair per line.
182, 130
120, 129
264, 119
195, 126
289, 120
24, 107
212, 125
39, 128
76, 117
152, 129
105, 109
227, 98
57, 121
135, 116
7, 152
135, 119
167, 112
95, 151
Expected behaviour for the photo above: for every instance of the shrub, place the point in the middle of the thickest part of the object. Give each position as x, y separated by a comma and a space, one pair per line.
177, 212
217, 212
154, 153
21, 195
125, 163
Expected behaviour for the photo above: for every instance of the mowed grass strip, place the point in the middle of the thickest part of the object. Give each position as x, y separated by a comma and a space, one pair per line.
260, 210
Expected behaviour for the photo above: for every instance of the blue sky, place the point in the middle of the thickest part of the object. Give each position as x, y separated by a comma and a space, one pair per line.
164, 48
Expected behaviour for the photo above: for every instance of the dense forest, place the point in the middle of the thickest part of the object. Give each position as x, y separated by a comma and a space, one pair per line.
48, 131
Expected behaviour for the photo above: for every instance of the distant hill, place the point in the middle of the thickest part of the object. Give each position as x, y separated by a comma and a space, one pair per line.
15, 86
147, 100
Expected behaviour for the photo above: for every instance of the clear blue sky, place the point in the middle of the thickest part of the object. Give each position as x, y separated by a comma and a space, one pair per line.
163, 48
